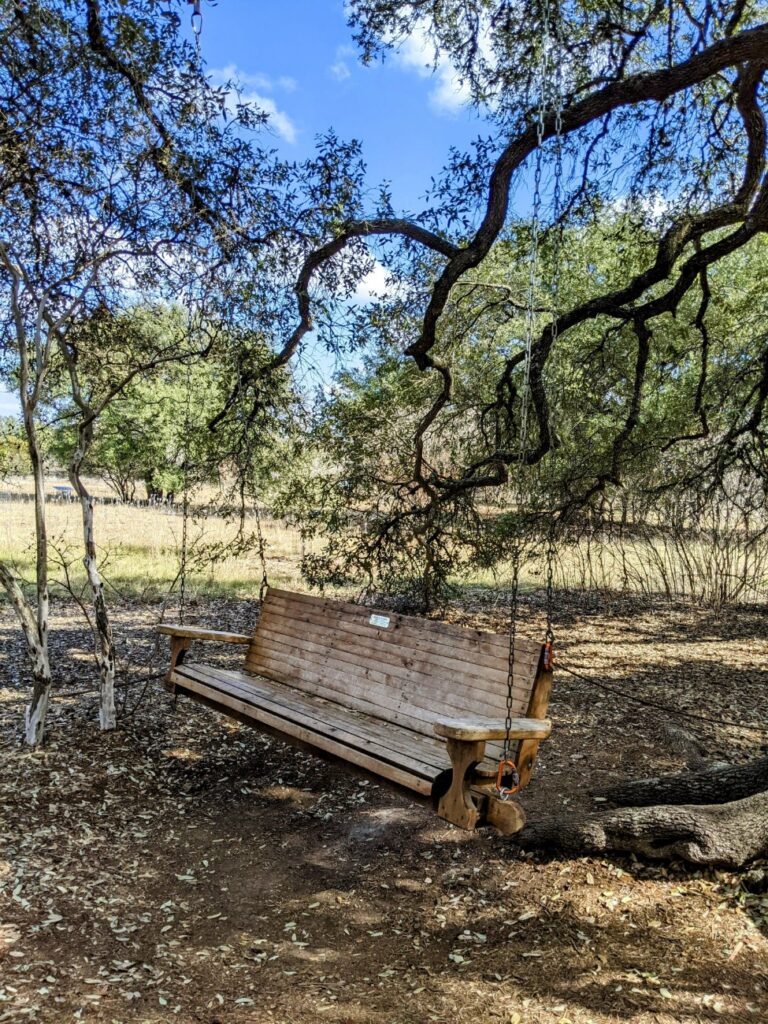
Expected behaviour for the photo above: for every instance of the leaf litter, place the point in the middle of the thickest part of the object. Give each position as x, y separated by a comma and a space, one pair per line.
188, 869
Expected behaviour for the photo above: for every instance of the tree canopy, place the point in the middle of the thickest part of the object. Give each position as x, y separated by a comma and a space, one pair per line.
659, 116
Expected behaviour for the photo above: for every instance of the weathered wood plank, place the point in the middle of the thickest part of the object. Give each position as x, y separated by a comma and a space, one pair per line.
321, 680
320, 741
407, 697
473, 648
405, 624
258, 689
488, 677
200, 633
475, 644
361, 677
384, 734
469, 729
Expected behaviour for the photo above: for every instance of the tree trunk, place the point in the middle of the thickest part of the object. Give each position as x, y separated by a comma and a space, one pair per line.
105, 645
717, 784
718, 816
34, 716
37, 710
726, 834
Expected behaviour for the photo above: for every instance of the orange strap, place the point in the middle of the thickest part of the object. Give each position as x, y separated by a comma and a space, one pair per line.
501, 789
549, 656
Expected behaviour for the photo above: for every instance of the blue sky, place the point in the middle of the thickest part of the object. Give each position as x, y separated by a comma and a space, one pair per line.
296, 59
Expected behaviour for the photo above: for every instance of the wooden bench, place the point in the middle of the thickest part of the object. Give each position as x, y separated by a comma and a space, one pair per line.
417, 702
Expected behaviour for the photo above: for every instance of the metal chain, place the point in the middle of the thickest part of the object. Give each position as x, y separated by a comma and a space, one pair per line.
545, 82
557, 250
185, 492
196, 20
512, 639
549, 635
264, 585
533, 258
247, 486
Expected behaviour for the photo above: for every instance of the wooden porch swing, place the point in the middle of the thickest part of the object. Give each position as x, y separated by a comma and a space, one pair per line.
419, 703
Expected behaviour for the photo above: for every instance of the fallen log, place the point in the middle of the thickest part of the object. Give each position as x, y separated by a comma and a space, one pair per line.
718, 816
716, 784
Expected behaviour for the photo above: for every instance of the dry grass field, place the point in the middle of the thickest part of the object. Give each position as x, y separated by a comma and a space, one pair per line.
141, 551
141, 545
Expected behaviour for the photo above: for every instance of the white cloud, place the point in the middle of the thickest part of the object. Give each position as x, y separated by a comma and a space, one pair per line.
340, 70
248, 89
417, 53
375, 285
279, 120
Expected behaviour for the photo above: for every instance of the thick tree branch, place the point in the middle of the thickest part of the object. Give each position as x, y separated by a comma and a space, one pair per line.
657, 86
315, 260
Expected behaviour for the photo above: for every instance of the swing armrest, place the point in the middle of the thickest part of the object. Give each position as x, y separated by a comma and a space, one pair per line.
199, 633
473, 729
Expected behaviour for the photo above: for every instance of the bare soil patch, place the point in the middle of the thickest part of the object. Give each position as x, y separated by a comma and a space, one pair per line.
189, 869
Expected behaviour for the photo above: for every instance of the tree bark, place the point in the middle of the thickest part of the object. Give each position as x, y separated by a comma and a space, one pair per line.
728, 834
718, 816
717, 784
37, 644
37, 647
34, 350
105, 644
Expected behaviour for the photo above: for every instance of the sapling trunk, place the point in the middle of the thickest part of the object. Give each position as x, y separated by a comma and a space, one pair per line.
105, 645
34, 621
37, 648
36, 712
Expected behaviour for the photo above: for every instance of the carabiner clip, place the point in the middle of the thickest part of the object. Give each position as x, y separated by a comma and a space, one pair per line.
505, 792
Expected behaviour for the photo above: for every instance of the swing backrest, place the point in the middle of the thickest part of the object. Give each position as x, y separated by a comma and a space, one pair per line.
399, 668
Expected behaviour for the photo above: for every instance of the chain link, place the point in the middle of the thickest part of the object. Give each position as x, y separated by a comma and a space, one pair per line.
196, 20
549, 635
557, 250
185, 468
512, 639
550, 95
264, 585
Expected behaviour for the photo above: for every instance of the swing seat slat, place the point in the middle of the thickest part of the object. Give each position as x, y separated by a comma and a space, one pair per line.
375, 689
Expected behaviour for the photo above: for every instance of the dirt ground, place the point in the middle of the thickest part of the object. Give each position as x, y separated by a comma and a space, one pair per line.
189, 869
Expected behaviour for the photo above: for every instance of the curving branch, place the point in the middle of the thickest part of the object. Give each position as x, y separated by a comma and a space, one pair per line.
742, 50
747, 47
163, 154
745, 50
312, 264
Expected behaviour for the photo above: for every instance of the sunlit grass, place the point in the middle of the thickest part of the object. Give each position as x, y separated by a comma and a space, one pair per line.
140, 549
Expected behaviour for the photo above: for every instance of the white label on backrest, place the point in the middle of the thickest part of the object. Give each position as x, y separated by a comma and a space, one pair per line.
382, 621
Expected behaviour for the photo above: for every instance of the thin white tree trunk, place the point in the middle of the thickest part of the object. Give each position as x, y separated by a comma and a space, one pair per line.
34, 622
105, 645
35, 713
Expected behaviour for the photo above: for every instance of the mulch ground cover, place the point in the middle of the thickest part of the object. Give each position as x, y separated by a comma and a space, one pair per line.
187, 868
